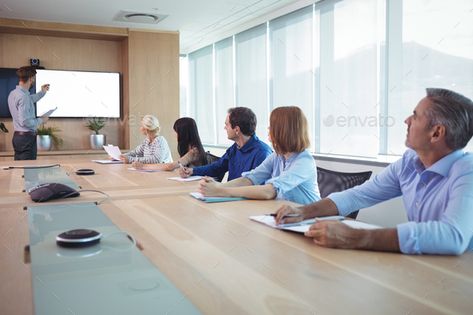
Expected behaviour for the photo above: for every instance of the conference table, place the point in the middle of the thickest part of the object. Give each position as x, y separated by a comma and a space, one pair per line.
224, 263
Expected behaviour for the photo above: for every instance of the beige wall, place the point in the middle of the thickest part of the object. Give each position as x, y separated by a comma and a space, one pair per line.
153, 66
148, 61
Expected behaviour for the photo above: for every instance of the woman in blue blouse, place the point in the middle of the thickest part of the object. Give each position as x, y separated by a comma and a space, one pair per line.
289, 173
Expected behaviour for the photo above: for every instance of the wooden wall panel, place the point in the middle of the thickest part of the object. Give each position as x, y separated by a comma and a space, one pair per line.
64, 54
153, 73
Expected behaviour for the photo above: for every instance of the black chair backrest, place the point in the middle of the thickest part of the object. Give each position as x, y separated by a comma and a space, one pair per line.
211, 158
332, 181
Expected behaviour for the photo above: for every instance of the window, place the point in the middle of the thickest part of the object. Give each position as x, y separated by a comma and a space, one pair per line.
224, 86
201, 92
357, 68
292, 63
348, 88
436, 51
251, 76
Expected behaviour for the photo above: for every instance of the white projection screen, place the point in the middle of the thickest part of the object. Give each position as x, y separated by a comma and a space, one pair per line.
79, 93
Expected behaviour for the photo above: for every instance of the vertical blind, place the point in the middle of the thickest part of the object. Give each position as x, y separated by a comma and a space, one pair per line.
357, 68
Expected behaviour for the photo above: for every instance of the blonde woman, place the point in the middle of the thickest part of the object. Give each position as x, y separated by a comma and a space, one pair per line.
190, 149
288, 174
153, 149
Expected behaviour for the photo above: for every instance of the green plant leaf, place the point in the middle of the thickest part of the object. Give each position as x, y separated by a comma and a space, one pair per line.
95, 124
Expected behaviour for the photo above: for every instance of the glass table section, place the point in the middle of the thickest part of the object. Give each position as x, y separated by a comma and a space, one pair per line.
37, 176
111, 277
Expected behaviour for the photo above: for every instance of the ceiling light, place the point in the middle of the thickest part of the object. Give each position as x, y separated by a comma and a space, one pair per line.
139, 17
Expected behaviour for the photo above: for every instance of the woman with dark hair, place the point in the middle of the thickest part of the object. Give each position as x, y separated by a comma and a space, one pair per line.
187, 139
288, 174
189, 147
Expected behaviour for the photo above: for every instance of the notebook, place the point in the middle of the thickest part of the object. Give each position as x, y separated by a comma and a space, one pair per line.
303, 226
198, 195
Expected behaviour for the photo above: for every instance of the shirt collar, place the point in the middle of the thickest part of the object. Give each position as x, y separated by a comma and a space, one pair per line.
22, 89
442, 166
249, 144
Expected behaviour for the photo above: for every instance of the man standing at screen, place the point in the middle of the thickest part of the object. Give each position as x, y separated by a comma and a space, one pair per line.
244, 155
22, 109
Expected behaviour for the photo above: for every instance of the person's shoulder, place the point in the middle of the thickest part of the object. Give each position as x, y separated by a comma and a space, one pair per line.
408, 157
261, 145
160, 139
305, 158
17, 92
465, 162
232, 148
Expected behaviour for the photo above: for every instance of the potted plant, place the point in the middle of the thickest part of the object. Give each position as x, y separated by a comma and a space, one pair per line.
97, 140
46, 137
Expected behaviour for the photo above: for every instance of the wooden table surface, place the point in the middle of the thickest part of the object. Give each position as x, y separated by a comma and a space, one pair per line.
227, 264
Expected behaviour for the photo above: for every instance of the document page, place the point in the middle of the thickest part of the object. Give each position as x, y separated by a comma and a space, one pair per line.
107, 161
143, 170
49, 112
187, 179
303, 226
113, 151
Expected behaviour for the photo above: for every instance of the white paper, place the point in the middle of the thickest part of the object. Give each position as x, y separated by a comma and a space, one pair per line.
143, 170
49, 112
188, 179
113, 151
107, 161
303, 226
197, 195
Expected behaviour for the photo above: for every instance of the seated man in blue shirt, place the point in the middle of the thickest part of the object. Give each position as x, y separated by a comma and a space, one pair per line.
289, 173
434, 177
244, 155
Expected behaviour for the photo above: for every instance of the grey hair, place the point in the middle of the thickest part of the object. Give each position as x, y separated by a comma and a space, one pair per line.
455, 112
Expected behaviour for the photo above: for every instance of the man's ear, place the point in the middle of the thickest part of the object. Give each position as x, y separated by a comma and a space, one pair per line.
438, 133
237, 130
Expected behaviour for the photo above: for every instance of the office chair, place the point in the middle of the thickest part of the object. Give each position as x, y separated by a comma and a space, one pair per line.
332, 181
212, 158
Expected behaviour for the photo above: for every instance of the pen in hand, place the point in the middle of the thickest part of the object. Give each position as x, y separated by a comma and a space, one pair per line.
289, 215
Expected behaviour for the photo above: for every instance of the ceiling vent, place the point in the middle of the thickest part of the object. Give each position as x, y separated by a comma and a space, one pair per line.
139, 17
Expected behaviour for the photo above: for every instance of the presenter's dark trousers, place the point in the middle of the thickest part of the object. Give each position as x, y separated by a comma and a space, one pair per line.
24, 144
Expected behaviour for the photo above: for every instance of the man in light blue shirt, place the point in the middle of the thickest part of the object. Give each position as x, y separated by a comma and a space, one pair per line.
22, 109
434, 178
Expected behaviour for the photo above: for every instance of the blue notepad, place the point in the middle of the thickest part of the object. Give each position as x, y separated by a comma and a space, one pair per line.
199, 196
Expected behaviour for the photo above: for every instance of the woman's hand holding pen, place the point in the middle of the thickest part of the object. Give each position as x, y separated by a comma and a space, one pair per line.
209, 187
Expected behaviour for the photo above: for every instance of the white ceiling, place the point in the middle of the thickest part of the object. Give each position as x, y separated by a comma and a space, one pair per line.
196, 20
